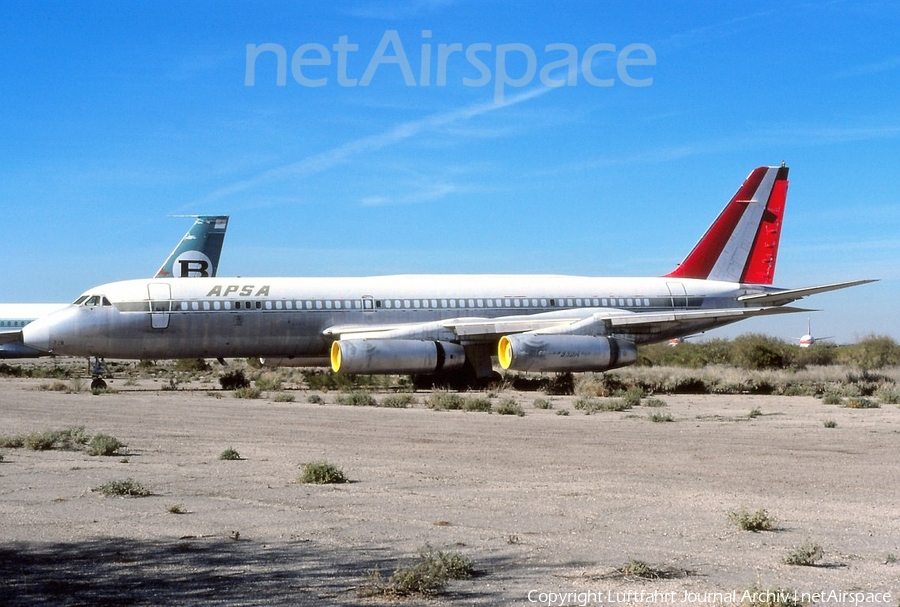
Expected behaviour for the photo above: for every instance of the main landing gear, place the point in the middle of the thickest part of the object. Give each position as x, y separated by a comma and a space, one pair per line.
98, 370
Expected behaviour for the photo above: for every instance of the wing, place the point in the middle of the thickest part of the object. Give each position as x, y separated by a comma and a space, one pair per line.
10, 336
641, 327
586, 339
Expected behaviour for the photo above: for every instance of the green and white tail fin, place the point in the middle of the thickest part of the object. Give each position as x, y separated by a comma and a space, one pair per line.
198, 252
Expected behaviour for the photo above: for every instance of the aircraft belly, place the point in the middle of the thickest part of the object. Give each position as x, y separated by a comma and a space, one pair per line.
232, 334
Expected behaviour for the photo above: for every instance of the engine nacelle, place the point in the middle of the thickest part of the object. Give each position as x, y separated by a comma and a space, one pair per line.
395, 356
546, 353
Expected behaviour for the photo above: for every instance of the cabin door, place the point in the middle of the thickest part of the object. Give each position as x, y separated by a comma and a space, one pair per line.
678, 294
160, 305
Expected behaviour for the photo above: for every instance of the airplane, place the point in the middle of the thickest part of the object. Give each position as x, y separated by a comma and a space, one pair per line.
197, 254
808, 339
444, 326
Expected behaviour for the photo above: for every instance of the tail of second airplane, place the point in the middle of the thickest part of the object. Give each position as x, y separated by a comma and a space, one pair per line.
198, 252
742, 244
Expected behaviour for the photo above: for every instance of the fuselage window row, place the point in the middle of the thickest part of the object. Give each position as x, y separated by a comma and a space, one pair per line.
369, 304
406, 304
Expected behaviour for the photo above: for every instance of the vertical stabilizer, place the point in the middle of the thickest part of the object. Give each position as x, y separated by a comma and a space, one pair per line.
198, 252
742, 244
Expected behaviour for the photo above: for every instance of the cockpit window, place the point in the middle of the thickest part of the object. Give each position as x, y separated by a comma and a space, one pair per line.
80, 300
106, 301
93, 300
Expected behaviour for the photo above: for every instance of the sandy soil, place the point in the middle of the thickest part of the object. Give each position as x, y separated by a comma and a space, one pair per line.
541, 504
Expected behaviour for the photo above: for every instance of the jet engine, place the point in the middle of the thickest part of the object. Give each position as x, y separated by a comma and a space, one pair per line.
395, 356
544, 352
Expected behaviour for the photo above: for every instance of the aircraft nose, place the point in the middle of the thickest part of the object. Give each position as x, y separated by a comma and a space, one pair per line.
36, 335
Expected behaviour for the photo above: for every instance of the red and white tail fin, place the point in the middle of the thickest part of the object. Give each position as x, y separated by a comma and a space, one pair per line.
742, 244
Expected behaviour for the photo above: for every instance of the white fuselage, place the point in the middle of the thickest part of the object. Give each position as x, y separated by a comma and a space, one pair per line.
300, 317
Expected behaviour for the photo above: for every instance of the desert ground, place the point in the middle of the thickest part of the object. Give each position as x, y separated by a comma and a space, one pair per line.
549, 508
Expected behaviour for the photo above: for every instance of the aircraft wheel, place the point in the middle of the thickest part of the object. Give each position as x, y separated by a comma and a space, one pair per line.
98, 384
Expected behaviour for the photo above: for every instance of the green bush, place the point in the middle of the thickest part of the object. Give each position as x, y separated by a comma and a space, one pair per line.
398, 401
103, 444
12, 442
445, 401
808, 555
125, 488
561, 384
476, 404
614, 404
71, 438
508, 406
832, 398
269, 382
247, 391
191, 365
356, 398
541, 403
233, 380
588, 405
322, 473
888, 395
428, 576
873, 352
229, 454
637, 568
632, 397
755, 521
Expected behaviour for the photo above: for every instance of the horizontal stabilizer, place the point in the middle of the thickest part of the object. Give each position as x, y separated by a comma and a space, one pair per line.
778, 298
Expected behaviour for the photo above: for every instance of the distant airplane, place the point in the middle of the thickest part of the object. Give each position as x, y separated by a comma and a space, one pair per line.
196, 255
808, 339
444, 325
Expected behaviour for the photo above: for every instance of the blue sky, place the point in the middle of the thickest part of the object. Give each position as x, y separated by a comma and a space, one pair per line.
118, 115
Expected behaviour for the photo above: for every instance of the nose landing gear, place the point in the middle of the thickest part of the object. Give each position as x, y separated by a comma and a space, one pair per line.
98, 370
